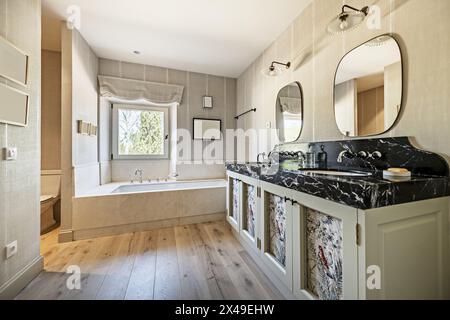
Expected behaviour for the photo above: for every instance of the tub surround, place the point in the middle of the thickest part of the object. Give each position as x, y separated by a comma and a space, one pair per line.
127, 187
138, 207
430, 173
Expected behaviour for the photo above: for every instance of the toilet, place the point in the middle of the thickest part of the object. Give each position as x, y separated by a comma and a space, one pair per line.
50, 200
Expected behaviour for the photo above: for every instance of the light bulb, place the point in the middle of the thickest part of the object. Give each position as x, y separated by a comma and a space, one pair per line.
343, 25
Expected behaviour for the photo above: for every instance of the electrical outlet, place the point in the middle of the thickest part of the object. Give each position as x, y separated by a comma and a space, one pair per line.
10, 154
11, 249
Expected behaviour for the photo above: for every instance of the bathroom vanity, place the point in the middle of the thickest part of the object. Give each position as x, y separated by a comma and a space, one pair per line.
347, 234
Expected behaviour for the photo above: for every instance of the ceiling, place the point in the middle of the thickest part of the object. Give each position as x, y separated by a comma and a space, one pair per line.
220, 37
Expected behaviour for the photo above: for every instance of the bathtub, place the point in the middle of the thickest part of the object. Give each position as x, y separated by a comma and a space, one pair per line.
117, 208
168, 186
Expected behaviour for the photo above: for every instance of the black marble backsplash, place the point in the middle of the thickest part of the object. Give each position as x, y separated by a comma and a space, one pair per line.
396, 152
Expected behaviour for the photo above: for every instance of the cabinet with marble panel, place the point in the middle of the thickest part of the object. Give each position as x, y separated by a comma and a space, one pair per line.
276, 219
315, 248
234, 202
325, 261
349, 230
250, 218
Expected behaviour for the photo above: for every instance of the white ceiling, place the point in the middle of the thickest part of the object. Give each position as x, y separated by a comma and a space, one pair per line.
220, 37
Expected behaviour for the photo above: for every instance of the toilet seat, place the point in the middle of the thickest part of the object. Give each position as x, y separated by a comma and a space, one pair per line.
47, 214
46, 198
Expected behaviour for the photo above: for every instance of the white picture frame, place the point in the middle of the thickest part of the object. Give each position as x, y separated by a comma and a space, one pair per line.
207, 102
15, 105
207, 129
13, 63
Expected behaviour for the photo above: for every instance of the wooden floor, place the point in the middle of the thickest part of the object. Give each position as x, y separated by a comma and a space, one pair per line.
202, 261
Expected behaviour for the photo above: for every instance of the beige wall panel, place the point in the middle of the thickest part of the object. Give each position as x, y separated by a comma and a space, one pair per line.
51, 111
315, 56
132, 71
20, 24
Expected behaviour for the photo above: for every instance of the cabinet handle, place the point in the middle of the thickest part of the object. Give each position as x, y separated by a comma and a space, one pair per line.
358, 234
291, 200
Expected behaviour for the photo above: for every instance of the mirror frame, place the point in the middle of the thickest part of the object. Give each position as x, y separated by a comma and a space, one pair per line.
27, 63
400, 112
27, 108
206, 119
301, 108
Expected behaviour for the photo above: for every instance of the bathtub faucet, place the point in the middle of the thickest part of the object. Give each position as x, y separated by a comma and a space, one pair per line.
172, 176
140, 172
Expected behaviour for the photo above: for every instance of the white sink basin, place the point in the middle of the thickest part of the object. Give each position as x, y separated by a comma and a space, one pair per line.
336, 173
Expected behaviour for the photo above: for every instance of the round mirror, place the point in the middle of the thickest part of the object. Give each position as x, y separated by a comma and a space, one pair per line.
368, 88
289, 112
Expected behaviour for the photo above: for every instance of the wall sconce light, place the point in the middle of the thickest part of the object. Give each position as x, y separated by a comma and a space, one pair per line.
347, 19
272, 71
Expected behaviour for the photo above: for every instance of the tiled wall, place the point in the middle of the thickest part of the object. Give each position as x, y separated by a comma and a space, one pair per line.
196, 86
20, 23
421, 27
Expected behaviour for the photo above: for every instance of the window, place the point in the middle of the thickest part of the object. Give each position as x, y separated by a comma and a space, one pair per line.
140, 132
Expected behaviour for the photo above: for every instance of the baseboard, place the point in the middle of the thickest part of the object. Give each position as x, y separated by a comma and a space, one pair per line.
16, 284
145, 226
65, 236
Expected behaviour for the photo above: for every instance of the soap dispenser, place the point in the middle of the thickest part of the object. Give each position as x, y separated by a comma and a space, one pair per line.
322, 158
311, 160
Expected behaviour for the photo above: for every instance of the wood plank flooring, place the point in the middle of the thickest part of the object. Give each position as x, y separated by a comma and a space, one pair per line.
200, 262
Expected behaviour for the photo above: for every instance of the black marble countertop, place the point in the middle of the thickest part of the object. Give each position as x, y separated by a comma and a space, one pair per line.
358, 192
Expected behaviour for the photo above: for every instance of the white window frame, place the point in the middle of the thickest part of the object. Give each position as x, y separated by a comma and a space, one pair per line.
115, 132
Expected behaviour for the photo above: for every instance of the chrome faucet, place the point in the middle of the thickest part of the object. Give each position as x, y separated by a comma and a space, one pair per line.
273, 157
349, 154
140, 172
263, 155
301, 158
173, 176
346, 153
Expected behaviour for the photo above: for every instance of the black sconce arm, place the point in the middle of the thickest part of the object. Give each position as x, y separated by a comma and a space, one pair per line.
287, 65
364, 10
